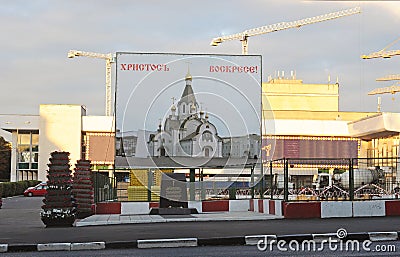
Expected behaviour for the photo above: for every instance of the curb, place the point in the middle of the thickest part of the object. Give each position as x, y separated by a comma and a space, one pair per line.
193, 242
163, 243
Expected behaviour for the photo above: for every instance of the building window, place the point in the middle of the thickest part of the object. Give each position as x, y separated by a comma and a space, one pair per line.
207, 136
28, 155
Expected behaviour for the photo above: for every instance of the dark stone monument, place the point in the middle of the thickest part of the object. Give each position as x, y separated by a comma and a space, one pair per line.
173, 196
173, 191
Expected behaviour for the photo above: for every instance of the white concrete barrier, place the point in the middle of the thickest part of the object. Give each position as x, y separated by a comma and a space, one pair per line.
368, 208
88, 246
255, 239
256, 209
54, 247
336, 209
239, 205
135, 208
383, 236
163, 243
196, 204
319, 238
278, 208
3, 248
266, 206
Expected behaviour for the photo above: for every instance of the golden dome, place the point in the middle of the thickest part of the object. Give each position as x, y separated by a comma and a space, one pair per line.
188, 76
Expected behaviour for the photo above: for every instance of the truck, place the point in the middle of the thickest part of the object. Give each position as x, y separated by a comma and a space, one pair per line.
361, 177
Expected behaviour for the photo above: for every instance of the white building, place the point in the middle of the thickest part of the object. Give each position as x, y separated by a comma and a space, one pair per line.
187, 131
58, 128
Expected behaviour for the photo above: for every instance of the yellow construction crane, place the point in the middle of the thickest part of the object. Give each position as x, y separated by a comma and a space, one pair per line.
383, 53
389, 77
385, 90
109, 60
244, 36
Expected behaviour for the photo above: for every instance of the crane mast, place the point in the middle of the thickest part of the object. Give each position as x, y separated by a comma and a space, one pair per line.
109, 60
243, 36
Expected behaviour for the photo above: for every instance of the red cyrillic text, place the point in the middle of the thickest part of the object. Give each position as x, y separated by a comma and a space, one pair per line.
143, 67
234, 69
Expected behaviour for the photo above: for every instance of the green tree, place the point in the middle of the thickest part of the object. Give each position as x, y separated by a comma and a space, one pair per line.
5, 159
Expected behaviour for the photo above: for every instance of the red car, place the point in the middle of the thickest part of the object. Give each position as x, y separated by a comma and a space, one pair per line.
38, 190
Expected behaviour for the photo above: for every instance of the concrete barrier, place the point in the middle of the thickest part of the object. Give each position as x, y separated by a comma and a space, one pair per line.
383, 236
108, 208
134, 208
255, 205
369, 208
164, 243
392, 208
88, 246
336, 209
251, 205
3, 248
302, 210
278, 207
238, 205
196, 204
266, 206
215, 206
54, 247
305, 209
255, 239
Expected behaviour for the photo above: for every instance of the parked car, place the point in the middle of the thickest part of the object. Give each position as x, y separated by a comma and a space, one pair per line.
38, 190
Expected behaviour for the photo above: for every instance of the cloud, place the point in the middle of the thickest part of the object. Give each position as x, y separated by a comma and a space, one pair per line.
38, 34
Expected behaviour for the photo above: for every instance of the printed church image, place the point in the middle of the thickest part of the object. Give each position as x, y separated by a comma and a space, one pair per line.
188, 132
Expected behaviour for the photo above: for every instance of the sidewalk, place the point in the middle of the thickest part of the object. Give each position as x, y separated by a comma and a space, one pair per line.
114, 219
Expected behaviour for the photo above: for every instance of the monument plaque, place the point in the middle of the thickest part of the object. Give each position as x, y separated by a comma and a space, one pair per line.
173, 196
173, 193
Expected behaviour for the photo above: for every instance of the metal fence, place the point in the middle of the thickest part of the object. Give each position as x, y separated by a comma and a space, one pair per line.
331, 179
104, 188
288, 179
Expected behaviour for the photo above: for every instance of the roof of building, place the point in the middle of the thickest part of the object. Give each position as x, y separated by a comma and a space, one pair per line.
379, 125
183, 162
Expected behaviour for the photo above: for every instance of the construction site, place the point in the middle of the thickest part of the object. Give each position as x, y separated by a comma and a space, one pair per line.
308, 149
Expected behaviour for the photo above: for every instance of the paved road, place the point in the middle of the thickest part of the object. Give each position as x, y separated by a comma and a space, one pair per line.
20, 224
220, 251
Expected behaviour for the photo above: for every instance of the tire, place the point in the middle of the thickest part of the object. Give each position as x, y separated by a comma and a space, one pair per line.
30, 194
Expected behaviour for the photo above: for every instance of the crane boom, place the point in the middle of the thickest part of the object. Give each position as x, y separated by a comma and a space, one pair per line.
381, 54
74, 53
385, 90
109, 60
389, 77
243, 36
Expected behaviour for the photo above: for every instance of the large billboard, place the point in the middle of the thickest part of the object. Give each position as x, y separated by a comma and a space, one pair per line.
195, 110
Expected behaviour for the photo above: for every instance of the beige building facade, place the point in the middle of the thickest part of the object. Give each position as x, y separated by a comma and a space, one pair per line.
58, 127
303, 121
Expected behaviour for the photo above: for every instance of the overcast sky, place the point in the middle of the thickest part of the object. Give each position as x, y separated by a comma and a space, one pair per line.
36, 36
